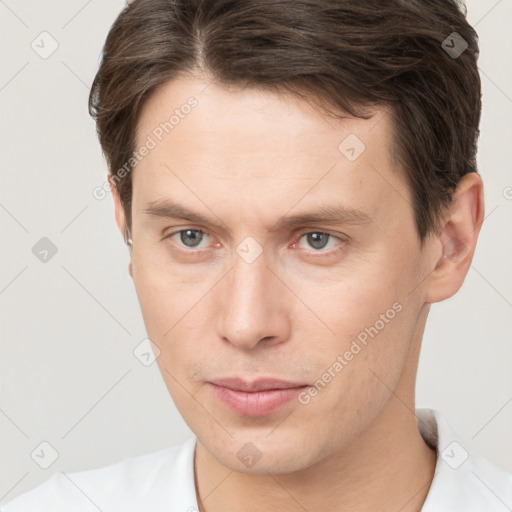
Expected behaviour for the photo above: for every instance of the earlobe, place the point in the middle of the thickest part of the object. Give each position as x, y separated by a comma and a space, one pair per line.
457, 236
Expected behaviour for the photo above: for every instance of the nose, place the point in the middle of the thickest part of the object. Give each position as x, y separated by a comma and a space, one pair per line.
254, 308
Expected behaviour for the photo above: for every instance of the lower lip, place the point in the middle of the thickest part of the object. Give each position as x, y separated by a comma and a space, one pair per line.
257, 403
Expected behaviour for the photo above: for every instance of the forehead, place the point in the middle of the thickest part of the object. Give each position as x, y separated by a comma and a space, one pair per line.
251, 142
253, 115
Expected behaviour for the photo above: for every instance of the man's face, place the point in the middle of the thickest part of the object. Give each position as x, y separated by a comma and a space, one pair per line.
248, 295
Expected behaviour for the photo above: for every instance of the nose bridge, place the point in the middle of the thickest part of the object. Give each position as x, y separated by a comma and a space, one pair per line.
249, 311
250, 276
249, 286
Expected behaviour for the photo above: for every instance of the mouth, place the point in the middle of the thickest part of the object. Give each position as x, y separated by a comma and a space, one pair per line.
255, 399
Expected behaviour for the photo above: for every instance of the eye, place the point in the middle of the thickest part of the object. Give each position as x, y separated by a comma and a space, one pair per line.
318, 240
190, 238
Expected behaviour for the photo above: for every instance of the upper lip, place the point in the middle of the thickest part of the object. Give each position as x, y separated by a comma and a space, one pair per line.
262, 384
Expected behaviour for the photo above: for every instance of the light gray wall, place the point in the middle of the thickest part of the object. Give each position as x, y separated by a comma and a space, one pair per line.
67, 372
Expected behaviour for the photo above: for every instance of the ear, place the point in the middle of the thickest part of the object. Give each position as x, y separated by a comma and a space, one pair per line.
118, 208
457, 236
120, 219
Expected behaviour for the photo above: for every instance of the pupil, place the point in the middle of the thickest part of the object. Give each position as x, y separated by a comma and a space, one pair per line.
195, 235
315, 239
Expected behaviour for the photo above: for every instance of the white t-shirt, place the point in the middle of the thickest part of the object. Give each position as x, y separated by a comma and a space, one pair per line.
163, 481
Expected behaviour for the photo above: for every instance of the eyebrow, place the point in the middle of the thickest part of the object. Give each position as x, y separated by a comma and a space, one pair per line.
324, 214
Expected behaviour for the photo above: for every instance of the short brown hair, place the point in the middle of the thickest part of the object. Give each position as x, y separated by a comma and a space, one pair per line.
351, 54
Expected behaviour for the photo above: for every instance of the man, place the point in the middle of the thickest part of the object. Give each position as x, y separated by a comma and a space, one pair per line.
297, 183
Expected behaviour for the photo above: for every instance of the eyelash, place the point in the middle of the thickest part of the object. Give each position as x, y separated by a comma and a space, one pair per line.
319, 252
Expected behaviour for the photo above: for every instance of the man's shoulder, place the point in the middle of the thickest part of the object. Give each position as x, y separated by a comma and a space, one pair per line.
144, 482
477, 486
463, 480
494, 479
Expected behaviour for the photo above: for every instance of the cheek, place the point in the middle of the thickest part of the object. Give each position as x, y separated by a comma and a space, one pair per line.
371, 317
352, 300
357, 375
179, 310
168, 306
164, 291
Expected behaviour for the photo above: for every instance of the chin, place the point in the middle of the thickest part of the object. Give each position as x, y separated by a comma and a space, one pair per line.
261, 453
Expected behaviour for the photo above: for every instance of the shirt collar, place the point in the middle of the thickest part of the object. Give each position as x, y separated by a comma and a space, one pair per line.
462, 480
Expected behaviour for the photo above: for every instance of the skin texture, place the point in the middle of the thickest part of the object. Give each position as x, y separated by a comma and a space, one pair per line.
246, 159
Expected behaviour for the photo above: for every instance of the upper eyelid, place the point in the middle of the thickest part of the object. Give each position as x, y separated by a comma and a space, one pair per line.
310, 229
302, 231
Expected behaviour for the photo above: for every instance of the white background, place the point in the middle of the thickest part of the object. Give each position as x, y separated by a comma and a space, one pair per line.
67, 372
